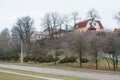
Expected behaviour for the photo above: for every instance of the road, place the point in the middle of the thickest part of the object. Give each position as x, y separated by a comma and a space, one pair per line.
97, 76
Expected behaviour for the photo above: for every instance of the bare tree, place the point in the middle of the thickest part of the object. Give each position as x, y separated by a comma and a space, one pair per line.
6, 48
55, 20
52, 46
61, 21
24, 28
51, 22
95, 48
5, 40
67, 22
15, 35
80, 45
117, 17
75, 17
66, 45
111, 49
92, 14
47, 23
5, 35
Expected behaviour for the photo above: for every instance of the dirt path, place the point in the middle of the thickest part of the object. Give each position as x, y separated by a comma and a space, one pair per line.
41, 77
98, 76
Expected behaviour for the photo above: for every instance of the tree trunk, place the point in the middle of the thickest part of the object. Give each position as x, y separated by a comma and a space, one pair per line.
80, 58
54, 61
116, 62
96, 60
96, 63
108, 63
114, 66
66, 61
54, 57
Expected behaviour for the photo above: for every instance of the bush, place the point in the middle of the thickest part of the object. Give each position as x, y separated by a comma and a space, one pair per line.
41, 59
27, 58
59, 53
36, 56
69, 59
15, 57
63, 60
85, 60
8, 57
40, 56
49, 58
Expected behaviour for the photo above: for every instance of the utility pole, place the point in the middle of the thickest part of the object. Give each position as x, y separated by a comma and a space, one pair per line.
21, 52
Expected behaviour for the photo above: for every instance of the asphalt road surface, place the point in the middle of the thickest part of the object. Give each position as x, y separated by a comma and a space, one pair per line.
97, 76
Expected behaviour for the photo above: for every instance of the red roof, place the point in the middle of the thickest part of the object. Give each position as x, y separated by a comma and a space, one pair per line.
117, 30
83, 24
100, 24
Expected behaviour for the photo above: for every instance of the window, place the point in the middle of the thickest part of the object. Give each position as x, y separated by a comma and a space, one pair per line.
94, 24
90, 23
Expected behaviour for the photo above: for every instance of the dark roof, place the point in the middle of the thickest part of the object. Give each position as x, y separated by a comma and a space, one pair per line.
83, 24
47, 29
60, 31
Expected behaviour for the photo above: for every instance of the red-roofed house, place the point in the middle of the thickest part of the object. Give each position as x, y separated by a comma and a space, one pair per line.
88, 25
117, 30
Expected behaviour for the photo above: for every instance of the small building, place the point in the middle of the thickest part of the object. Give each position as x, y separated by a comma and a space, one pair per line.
117, 30
89, 24
38, 35
57, 33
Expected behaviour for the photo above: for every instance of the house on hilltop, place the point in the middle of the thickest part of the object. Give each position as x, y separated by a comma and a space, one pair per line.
37, 36
57, 33
117, 30
83, 26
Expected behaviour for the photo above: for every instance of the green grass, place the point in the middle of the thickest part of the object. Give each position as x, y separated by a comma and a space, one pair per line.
6, 76
43, 74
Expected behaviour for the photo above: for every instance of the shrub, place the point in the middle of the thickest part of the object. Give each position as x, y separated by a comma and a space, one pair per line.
63, 60
15, 57
85, 60
69, 59
49, 58
27, 58
41, 59
59, 53
8, 57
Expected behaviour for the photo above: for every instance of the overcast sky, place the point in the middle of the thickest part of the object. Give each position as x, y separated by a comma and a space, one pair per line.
10, 10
